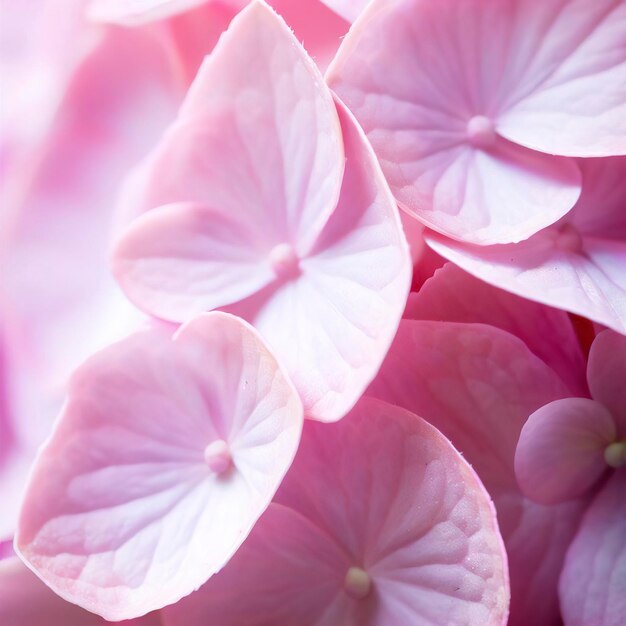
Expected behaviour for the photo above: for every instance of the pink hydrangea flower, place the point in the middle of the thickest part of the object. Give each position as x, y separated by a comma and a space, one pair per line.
166, 453
574, 446
265, 199
467, 103
379, 521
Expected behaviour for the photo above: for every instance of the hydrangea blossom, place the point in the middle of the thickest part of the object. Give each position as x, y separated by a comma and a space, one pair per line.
248, 208
467, 103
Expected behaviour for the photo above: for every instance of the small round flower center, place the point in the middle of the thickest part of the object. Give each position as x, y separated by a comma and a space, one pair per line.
481, 132
615, 454
357, 583
284, 261
568, 239
217, 456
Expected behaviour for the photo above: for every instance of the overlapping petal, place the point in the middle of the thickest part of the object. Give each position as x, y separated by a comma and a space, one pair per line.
593, 582
560, 453
261, 170
478, 385
453, 295
166, 453
381, 491
578, 264
606, 373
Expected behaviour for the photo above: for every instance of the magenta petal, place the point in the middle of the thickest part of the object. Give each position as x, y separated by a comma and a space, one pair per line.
166, 453
478, 384
606, 372
560, 453
453, 295
593, 582
381, 491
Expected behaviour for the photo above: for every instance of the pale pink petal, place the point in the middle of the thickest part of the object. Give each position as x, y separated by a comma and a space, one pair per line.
257, 136
570, 96
166, 453
478, 385
333, 325
436, 134
560, 453
453, 295
26, 601
578, 264
593, 582
381, 491
606, 373
186, 258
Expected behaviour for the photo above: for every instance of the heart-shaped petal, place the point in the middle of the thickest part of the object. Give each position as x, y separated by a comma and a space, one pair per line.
560, 453
593, 582
166, 453
453, 295
578, 264
478, 384
379, 521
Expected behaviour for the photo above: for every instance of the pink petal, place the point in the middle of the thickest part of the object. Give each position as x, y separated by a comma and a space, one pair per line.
26, 601
577, 48
577, 264
382, 491
560, 453
436, 134
455, 296
187, 258
478, 384
593, 582
164, 456
606, 372
257, 137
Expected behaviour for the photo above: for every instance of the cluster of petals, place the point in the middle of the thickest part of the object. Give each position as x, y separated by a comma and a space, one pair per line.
313, 313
